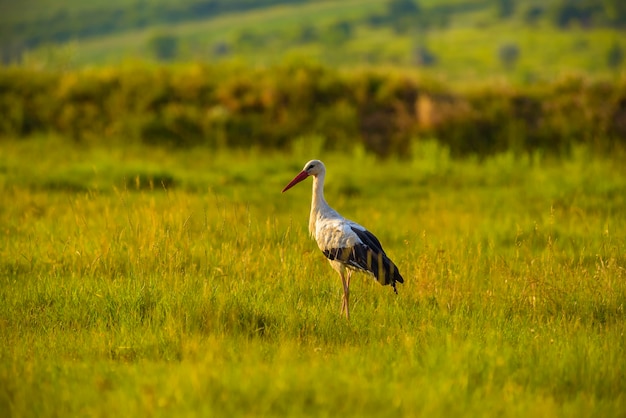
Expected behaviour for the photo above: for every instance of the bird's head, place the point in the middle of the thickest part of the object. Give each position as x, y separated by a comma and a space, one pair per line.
312, 168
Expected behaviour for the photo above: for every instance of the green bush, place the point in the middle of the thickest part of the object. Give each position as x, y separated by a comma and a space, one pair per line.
380, 111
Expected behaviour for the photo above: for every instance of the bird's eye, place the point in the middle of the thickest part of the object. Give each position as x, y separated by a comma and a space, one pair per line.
309, 167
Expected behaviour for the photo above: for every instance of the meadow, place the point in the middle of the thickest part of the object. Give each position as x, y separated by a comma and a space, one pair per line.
149, 281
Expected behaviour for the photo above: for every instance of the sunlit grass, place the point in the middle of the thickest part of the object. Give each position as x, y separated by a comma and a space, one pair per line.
205, 296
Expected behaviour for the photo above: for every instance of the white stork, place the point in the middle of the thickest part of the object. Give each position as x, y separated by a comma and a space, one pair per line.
347, 245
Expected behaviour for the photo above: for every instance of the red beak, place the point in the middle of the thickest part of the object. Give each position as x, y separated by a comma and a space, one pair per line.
297, 179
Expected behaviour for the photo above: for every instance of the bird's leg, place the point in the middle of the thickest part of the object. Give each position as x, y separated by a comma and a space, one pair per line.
345, 298
347, 292
346, 295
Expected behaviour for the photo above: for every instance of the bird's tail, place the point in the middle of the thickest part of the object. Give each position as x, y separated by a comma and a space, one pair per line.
385, 271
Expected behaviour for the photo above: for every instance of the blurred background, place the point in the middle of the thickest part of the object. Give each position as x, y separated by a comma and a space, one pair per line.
458, 40
480, 76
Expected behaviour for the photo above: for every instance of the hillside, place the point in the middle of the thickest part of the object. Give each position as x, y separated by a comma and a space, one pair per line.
452, 40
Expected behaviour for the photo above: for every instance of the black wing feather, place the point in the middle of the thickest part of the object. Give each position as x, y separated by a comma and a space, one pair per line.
368, 256
369, 239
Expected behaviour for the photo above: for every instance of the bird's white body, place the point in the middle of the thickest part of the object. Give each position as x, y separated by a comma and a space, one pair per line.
347, 245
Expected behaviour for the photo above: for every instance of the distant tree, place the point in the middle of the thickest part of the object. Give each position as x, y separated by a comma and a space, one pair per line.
424, 57
615, 56
403, 14
509, 54
402, 8
249, 39
339, 32
377, 20
164, 46
567, 12
533, 14
343, 28
506, 8
221, 49
306, 34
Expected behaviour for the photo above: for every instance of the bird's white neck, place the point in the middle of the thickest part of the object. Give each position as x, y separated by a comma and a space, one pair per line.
319, 207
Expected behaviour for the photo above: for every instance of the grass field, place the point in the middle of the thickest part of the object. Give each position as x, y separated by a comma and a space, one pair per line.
150, 282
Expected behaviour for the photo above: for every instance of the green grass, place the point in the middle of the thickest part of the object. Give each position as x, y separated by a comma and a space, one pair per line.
204, 295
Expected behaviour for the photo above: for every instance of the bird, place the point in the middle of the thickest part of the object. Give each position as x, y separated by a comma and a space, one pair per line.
348, 246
